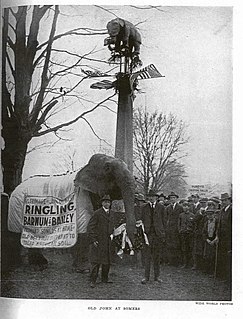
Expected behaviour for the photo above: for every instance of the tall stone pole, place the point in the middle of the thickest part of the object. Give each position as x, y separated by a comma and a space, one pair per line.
124, 128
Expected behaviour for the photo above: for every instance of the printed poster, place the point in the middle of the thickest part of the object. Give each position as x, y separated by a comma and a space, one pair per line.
49, 221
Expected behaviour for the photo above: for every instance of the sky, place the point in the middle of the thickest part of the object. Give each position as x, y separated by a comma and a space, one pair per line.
192, 48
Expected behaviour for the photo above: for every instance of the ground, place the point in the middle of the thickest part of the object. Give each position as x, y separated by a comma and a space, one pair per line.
59, 281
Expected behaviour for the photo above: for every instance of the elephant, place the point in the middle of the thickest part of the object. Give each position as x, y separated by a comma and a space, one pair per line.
125, 38
102, 175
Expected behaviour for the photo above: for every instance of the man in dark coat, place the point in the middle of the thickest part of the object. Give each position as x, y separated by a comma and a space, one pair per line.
209, 233
185, 228
224, 234
198, 242
100, 227
172, 234
152, 218
197, 204
139, 201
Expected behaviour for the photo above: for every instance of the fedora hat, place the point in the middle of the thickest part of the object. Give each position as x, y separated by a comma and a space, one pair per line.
152, 193
225, 196
106, 197
172, 194
162, 195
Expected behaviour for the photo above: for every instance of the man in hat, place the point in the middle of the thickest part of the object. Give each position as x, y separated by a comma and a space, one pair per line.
203, 202
162, 199
185, 228
191, 204
224, 235
210, 241
153, 220
197, 204
198, 243
172, 234
100, 227
139, 201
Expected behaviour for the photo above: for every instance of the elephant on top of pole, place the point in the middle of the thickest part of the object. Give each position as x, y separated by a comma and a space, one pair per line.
124, 40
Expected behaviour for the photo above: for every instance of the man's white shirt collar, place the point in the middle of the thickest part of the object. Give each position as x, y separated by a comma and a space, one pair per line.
105, 209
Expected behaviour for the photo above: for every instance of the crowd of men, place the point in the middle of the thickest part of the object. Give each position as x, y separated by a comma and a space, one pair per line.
194, 232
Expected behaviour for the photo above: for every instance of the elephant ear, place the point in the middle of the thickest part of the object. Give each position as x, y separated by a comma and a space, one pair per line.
121, 22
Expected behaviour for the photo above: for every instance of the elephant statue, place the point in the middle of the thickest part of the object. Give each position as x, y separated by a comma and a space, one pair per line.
102, 175
124, 39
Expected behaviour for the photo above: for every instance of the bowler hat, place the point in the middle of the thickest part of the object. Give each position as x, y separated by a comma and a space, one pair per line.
172, 194
106, 197
152, 193
225, 196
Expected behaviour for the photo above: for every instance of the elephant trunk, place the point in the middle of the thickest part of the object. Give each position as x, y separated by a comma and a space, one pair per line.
127, 187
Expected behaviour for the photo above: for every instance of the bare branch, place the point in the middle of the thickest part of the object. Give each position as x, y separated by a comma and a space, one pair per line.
107, 10
56, 128
92, 129
72, 32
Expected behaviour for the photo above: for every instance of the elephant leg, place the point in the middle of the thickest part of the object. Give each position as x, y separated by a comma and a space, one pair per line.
36, 259
80, 254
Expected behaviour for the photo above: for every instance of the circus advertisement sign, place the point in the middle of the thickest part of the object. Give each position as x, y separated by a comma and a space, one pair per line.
49, 221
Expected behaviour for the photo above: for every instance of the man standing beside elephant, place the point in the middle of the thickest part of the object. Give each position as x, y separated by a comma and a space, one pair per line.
172, 234
152, 215
100, 227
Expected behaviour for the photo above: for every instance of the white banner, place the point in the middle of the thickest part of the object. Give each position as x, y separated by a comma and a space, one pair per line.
49, 222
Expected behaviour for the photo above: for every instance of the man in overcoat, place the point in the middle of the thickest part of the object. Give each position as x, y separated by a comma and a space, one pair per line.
185, 228
198, 242
197, 203
172, 234
152, 214
100, 227
224, 235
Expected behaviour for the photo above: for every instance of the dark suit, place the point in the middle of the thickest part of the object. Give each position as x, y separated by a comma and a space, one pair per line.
197, 207
224, 234
172, 233
198, 242
153, 220
100, 227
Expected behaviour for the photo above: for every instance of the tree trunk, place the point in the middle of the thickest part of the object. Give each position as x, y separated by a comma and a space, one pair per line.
13, 156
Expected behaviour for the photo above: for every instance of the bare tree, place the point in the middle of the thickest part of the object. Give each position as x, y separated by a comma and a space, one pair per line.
158, 142
31, 89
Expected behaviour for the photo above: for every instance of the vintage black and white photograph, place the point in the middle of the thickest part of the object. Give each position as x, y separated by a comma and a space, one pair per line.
117, 153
